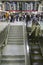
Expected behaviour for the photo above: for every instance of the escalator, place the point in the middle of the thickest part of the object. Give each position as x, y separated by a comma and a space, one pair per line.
36, 57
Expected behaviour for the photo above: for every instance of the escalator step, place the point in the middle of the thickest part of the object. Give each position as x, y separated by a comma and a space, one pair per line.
35, 47
37, 63
33, 44
35, 55
34, 52
37, 58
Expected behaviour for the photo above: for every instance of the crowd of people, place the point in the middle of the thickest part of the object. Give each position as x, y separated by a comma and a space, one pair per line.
22, 17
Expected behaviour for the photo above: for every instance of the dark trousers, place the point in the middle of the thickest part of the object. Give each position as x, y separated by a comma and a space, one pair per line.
34, 38
26, 23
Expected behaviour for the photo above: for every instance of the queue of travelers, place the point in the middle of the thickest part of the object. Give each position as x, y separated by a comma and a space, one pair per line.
22, 17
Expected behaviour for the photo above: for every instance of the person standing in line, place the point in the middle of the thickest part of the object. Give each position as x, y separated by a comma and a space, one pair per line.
27, 19
35, 31
12, 18
7, 16
38, 32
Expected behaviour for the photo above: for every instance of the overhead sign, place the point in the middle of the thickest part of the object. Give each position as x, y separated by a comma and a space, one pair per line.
19, 0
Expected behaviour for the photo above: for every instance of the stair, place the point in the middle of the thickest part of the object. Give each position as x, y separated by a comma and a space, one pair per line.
15, 35
13, 53
13, 60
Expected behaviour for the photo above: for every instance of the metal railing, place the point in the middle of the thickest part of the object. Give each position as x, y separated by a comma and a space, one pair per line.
3, 35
